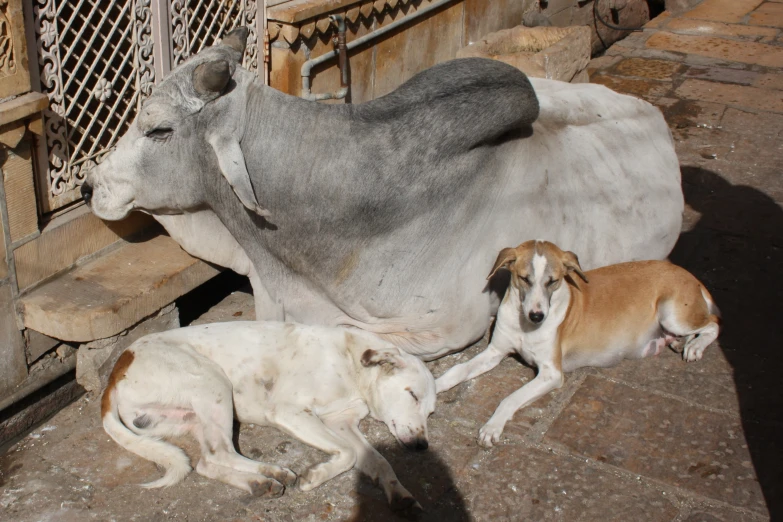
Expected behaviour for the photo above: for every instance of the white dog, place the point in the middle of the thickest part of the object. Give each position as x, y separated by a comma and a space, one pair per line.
559, 322
314, 383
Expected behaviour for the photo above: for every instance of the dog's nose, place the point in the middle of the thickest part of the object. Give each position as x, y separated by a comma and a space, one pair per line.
86, 192
421, 445
536, 317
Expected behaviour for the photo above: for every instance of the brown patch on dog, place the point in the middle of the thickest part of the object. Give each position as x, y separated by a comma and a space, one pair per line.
117, 374
367, 357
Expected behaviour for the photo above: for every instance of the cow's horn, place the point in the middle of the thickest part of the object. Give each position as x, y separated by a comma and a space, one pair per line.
211, 77
236, 39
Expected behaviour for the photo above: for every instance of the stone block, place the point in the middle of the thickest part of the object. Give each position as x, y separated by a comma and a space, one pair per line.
433, 39
729, 50
643, 68
647, 89
487, 16
102, 298
722, 75
63, 244
701, 27
95, 360
769, 14
513, 482
14, 73
37, 344
653, 436
545, 52
679, 6
13, 363
20, 192
730, 11
769, 81
735, 95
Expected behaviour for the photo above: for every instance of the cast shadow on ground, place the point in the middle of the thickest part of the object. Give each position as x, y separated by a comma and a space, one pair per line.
429, 480
736, 249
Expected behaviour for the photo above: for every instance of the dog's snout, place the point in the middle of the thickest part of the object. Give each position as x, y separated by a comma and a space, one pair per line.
86, 192
536, 317
421, 445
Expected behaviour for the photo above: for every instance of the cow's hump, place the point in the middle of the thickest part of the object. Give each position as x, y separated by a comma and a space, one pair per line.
459, 104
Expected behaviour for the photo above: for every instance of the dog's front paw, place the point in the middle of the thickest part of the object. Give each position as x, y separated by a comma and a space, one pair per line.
692, 352
285, 476
266, 488
490, 433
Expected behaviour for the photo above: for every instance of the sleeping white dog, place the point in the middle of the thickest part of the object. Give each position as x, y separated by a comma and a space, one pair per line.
314, 383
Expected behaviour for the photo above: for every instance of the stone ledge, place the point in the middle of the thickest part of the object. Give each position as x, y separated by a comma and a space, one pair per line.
112, 293
22, 107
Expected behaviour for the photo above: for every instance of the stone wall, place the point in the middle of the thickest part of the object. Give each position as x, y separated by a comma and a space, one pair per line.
302, 30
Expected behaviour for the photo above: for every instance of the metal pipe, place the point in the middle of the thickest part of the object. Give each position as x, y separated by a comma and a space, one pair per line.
308, 66
341, 51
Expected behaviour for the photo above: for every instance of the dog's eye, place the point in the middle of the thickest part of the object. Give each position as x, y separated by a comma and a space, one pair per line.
415, 398
159, 133
525, 279
552, 282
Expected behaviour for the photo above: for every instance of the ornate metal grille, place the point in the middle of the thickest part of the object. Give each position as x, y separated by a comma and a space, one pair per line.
95, 61
195, 25
96, 64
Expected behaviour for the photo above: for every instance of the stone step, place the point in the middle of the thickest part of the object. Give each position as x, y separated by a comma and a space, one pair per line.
113, 292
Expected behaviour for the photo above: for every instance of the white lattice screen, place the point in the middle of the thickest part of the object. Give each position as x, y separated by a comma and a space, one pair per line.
96, 63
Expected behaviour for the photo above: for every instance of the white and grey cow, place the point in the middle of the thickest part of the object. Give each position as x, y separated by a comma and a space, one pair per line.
387, 215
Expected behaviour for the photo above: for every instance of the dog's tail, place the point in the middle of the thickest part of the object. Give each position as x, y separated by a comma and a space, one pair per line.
168, 456
711, 306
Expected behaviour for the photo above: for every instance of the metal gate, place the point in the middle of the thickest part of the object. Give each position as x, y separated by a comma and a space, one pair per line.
98, 60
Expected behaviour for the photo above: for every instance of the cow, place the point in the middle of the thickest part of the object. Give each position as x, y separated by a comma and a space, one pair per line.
386, 215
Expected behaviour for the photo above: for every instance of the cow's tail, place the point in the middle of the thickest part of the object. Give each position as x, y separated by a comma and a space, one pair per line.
168, 456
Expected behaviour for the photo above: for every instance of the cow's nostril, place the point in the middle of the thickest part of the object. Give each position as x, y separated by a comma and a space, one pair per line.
536, 317
86, 192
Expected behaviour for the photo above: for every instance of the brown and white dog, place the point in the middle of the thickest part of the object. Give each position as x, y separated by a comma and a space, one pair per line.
559, 322
315, 383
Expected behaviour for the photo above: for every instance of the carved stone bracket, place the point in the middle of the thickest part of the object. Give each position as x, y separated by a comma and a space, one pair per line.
292, 22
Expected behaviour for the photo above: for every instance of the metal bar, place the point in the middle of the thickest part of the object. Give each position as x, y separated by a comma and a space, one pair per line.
262, 40
161, 37
308, 66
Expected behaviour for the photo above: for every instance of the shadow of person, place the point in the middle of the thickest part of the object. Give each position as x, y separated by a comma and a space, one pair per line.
429, 480
736, 249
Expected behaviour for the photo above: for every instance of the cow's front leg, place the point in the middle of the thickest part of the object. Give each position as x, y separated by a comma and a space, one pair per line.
372, 463
500, 348
550, 377
309, 429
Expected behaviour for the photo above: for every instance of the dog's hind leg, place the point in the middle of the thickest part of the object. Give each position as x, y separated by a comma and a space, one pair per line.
690, 317
308, 428
370, 462
214, 426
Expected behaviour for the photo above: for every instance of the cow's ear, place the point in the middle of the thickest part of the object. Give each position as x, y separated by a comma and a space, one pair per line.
236, 39
211, 78
232, 166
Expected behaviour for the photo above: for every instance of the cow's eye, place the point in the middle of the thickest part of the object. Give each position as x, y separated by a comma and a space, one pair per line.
415, 398
159, 133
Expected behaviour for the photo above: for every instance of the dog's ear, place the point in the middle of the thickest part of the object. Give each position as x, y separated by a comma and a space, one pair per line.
388, 358
505, 258
571, 263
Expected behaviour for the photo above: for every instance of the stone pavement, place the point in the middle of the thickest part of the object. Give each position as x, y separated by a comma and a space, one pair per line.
655, 439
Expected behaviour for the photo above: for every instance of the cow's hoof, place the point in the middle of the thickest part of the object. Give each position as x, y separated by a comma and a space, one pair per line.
267, 488
406, 506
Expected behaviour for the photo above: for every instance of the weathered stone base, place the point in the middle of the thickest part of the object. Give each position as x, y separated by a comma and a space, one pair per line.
557, 53
95, 360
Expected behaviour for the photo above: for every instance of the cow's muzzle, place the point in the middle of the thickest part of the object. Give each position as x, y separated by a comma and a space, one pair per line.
86, 192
